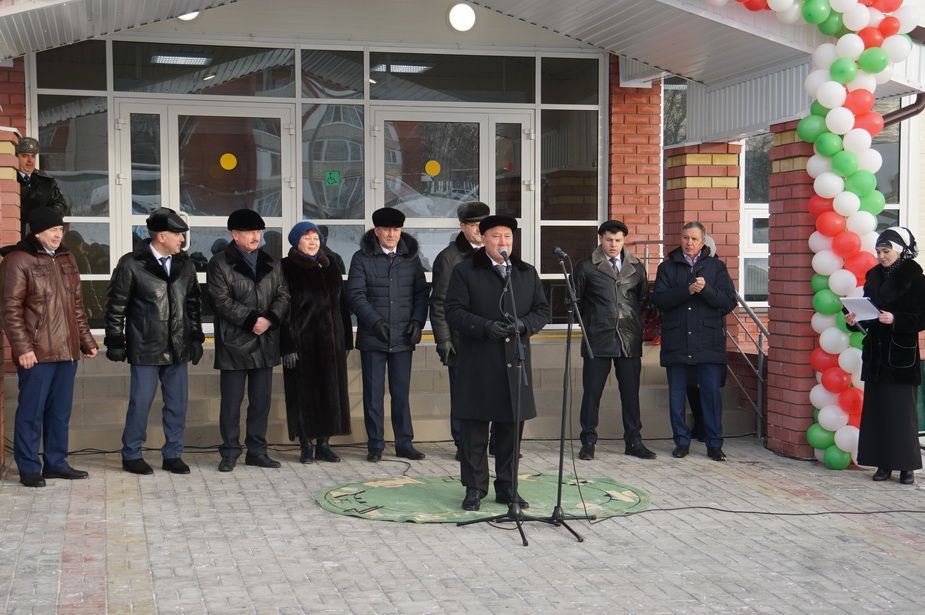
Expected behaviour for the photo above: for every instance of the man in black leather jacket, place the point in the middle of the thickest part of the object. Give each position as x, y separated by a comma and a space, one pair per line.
154, 320
35, 188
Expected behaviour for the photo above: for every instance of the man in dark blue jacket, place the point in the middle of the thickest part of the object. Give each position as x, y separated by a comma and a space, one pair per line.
388, 293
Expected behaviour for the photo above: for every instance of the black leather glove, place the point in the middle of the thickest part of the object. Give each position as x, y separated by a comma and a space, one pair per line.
512, 328
381, 330
289, 360
195, 353
496, 329
446, 351
115, 354
413, 331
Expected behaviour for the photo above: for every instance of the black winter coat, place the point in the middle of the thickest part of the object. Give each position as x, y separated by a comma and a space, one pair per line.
156, 318
693, 325
379, 290
41, 191
239, 297
449, 257
891, 352
611, 304
487, 373
318, 329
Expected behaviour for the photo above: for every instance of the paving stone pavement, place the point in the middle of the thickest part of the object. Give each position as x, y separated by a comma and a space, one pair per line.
254, 541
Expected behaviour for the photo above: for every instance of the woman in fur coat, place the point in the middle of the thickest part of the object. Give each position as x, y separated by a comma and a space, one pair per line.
316, 338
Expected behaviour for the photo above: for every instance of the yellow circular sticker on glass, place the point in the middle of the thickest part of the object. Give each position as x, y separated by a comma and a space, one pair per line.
228, 161
432, 168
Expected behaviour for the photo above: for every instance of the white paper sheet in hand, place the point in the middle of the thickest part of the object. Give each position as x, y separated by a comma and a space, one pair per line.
862, 307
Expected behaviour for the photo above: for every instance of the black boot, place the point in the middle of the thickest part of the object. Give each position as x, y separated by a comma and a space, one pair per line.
307, 454
323, 451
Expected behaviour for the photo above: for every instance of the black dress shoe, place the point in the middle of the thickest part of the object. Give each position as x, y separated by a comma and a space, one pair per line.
261, 461
473, 499
306, 453
374, 456
586, 452
716, 453
137, 466
227, 464
504, 497
639, 450
906, 477
66, 472
680, 451
324, 452
175, 465
882, 474
32, 480
458, 454
409, 452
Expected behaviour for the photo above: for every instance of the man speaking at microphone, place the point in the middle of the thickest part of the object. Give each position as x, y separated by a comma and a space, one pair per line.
480, 301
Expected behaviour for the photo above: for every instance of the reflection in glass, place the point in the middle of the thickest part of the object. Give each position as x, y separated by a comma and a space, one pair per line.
508, 174
89, 243
557, 296
165, 68
81, 66
756, 279
569, 159
229, 163
431, 242
886, 219
430, 167
327, 73
759, 230
332, 161
569, 81
674, 110
577, 241
887, 143
758, 167
146, 162
345, 240
94, 296
73, 133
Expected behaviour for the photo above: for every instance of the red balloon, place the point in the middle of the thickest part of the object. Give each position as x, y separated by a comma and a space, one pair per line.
821, 360
886, 6
866, 2
830, 223
872, 37
846, 243
836, 380
889, 26
756, 5
818, 205
859, 264
871, 121
854, 420
851, 401
859, 101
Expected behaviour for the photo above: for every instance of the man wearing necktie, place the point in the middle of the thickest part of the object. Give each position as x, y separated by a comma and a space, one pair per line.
154, 319
611, 286
35, 188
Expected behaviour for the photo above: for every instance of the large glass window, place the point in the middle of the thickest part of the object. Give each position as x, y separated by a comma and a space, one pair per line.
569, 81
754, 221
674, 111
333, 161
569, 165
332, 74
81, 66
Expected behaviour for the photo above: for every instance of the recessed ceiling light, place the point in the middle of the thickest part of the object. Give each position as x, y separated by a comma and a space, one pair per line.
401, 68
180, 60
189, 16
462, 17
208, 77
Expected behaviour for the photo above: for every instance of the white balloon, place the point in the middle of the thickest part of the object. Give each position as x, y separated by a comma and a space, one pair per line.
821, 322
870, 160
846, 438
819, 453
828, 184
717, 2
869, 242
831, 94
861, 222
833, 341
780, 5
856, 292
824, 55
820, 397
856, 381
814, 80
856, 17
833, 418
864, 81
850, 359
875, 17
842, 5
850, 46
839, 120
846, 203
897, 47
827, 262
908, 16
791, 15
885, 75
819, 242
842, 282
856, 140
817, 165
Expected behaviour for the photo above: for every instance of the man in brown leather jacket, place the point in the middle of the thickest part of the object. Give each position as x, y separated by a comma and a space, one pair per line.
44, 318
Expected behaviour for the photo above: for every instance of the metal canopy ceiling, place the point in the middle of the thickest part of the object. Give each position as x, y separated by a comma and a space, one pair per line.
28, 26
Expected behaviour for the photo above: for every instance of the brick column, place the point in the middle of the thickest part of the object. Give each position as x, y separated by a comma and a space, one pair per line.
790, 376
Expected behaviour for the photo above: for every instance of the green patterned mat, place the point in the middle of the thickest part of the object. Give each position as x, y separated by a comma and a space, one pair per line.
438, 499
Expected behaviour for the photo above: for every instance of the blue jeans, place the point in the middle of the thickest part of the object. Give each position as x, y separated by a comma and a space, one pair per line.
373, 364
709, 379
43, 415
174, 390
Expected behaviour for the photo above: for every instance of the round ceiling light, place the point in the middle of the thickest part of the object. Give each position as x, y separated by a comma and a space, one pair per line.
462, 17
189, 16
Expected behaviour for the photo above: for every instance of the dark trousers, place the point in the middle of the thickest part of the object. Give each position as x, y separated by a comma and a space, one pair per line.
373, 365
43, 414
175, 392
709, 379
455, 424
473, 463
259, 385
594, 374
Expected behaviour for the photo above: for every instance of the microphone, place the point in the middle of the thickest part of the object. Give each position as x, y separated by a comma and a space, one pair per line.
505, 255
560, 252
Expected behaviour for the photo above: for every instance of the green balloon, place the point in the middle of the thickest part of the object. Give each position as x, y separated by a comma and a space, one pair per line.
817, 109
873, 203
816, 11
857, 340
843, 70
835, 458
811, 127
874, 60
826, 302
819, 282
832, 25
818, 436
828, 144
840, 322
844, 163
861, 183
